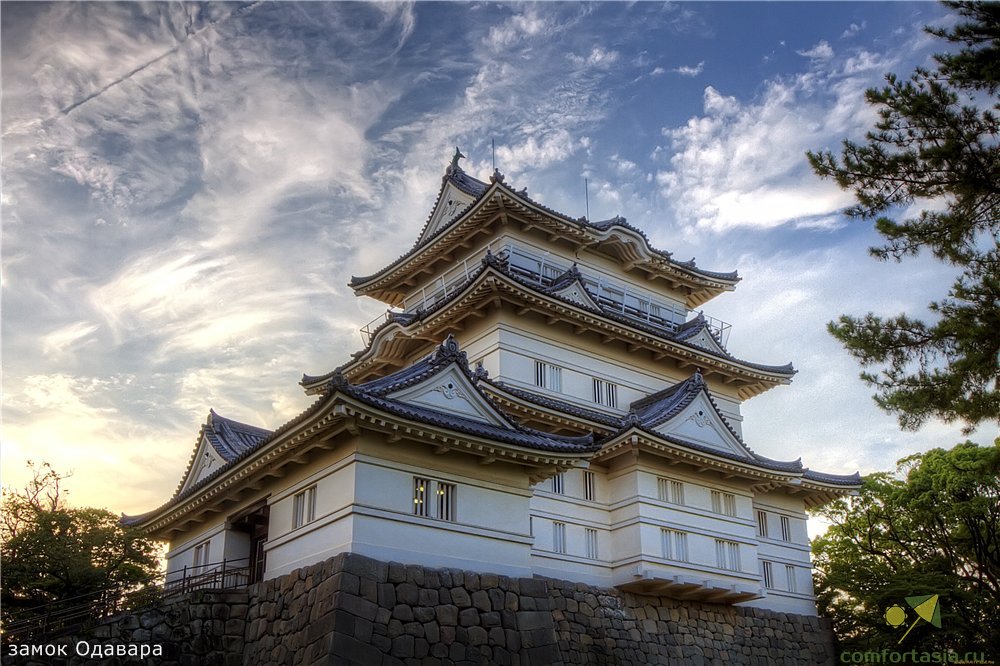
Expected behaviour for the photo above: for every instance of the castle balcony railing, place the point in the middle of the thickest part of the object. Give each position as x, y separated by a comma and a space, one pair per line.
541, 269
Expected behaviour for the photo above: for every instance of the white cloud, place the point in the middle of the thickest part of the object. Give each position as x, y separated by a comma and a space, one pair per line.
853, 29
821, 51
742, 164
690, 70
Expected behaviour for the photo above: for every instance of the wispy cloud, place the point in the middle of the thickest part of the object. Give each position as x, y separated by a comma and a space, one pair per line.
690, 70
821, 51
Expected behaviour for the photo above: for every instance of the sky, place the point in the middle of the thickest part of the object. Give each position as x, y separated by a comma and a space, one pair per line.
187, 189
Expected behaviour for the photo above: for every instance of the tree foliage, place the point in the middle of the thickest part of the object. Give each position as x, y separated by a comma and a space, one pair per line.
932, 529
935, 145
53, 553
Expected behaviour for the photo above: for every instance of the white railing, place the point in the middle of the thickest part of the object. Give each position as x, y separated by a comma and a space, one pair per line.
542, 269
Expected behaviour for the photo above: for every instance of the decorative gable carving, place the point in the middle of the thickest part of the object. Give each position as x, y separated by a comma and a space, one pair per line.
451, 202
206, 462
700, 423
451, 392
576, 293
705, 340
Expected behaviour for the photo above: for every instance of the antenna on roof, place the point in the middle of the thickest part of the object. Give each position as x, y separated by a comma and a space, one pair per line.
494, 143
586, 194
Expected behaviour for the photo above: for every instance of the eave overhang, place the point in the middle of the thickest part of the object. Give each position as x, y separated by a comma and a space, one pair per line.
394, 341
764, 476
317, 428
501, 205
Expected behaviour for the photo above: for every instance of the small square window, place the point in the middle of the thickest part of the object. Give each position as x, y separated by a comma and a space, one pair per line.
727, 554
605, 393
724, 503
674, 545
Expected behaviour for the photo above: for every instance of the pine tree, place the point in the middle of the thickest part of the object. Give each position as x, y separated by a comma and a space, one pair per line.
936, 141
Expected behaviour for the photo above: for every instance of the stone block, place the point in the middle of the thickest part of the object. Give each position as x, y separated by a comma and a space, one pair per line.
511, 601
407, 593
460, 597
402, 647
428, 597
386, 595
481, 600
403, 613
447, 615
368, 589
423, 614
413, 629
468, 617
533, 587
432, 632
348, 650
478, 636
415, 575
529, 620
396, 573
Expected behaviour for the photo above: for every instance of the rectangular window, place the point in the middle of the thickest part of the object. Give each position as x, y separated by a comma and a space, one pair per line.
724, 503
591, 543
670, 491
727, 554
605, 393
446, 501
674, 545
762, 524
421, 507
559, 537
548, 376
201, 554
589, 486
558, 484
304, 507
434, 499
786, 529
767, 570
790, 578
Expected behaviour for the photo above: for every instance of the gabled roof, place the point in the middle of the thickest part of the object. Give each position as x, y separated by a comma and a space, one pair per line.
496, 265
463, 405
231, 438
616, 234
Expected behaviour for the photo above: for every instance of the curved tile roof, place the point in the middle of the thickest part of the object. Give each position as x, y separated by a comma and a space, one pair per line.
478, 189
231, 438
685, 331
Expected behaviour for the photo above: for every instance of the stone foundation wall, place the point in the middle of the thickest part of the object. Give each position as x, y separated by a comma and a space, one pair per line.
352, 610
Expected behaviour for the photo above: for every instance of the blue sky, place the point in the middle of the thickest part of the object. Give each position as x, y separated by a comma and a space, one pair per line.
188, 188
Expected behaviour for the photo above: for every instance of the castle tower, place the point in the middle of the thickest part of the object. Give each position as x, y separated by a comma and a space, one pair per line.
541, 397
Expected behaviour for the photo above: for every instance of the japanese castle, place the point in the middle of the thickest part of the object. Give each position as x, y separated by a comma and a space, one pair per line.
541, 398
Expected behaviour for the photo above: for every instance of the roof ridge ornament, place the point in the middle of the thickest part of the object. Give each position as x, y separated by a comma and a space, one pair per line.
337, 381
453, 168
480, 372
497, 177
631, 420
449, 350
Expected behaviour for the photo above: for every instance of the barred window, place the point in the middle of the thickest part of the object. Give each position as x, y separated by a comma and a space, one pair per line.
762, 524
724, 503
605, 393
786, 529
674, 545
589, 486
727, 554
434, 499
767, 570
559, 537
304, 507
548, 376
591, 543
790, 578
558, 484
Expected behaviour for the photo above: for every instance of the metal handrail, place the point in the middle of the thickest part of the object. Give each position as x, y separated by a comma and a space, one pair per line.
59, 617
